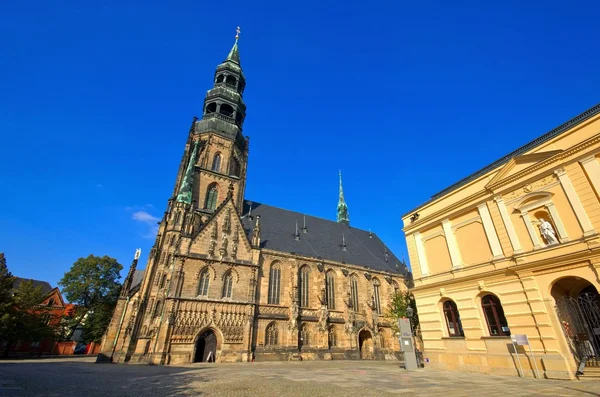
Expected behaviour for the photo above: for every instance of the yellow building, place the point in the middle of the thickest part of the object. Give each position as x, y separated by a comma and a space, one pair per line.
514, 249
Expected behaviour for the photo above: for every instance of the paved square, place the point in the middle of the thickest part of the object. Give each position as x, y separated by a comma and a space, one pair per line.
82, 377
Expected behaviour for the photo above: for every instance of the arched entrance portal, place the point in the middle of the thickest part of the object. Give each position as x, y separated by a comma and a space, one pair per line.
206, 347
578, 309
365, 344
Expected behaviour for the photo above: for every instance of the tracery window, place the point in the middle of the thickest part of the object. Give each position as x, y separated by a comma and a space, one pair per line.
304, 337
211, 197
274, 284
204, 282
330, 290
158, 308
271, 335
227, 285
331, 337
376, 301
216, 165
452, 319
303, 284
354, 292
494, 315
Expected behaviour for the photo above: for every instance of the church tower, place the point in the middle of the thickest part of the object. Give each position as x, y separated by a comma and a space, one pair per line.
216, 153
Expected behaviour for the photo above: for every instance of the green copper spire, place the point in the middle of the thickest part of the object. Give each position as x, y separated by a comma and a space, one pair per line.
185, 191
234, 55
342, 208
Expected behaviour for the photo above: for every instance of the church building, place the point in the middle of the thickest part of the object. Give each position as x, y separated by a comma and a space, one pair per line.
229, 279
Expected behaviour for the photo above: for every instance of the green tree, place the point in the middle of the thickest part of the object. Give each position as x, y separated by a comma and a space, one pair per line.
92, 285
23, 318
401, 301
6, 301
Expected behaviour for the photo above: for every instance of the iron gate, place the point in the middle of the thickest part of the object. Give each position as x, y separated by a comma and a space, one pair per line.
580, 320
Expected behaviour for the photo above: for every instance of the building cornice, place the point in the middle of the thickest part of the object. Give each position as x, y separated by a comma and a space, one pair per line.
519, 268
331, 263
493, 189
523, 149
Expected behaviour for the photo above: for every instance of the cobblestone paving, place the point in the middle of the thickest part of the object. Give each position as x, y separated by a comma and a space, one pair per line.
82, 377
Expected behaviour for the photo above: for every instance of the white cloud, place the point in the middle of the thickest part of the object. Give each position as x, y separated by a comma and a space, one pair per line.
144, 217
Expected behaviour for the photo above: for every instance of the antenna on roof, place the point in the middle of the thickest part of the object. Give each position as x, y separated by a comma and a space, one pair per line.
370, 233
304, 229
250, 210
344, 243
296, 234
385, 253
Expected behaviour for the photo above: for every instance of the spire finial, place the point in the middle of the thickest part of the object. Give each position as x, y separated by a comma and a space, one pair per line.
342, 208
237, 33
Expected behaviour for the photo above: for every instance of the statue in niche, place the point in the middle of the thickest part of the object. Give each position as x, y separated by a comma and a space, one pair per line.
547, 232
323, 316
294, 312
224, 245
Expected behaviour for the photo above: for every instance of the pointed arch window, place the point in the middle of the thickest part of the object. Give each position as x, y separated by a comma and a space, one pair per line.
354, 292
216, 164
494, 315
227, 285
204, 283
211, 197
271, 335
158, 308
303, 284
304, 336
274, 284
453, 319
376, 301
330, 290
332, 337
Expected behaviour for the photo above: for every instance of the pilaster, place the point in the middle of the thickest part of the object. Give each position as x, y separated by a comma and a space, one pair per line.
592, 169
421, 254
580, 213
510, 229
451, 242
490, 231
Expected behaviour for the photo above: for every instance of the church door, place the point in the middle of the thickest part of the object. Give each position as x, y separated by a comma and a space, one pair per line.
206, 347
365, 343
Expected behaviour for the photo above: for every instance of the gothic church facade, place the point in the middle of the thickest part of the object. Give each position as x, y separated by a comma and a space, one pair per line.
233, 280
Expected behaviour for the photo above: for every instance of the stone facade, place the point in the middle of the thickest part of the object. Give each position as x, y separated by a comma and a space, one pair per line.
514, 250
214, 290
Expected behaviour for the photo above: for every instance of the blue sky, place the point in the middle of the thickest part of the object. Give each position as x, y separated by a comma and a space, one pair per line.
405, 97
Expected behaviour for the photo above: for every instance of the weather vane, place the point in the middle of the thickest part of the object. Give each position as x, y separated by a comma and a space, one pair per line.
237, 33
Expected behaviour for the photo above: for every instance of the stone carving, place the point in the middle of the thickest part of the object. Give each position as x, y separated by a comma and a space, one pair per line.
547, 232
213, 240
235, 241
224, 245
294, 312
323, 317
320, 267
345, 272
531, 187
322, 297
368, 276
350, 325
193, 316
227, 222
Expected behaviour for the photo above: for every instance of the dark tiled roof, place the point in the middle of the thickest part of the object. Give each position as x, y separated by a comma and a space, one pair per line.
46, 287
138, 276
323, 238
136, 281
523, 149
